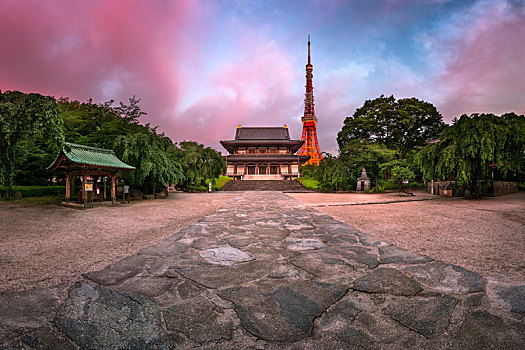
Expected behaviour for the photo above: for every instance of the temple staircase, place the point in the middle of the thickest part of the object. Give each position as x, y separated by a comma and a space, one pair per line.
265, 185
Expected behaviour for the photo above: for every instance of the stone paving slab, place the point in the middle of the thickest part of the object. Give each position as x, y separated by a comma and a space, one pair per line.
268, 272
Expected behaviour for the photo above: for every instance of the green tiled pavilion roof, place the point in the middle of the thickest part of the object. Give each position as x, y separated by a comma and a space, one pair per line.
87, 155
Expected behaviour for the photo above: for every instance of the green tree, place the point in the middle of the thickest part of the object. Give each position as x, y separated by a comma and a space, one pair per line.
358, 154
332, 173
100, 124
24, 120
402, 174
398, 124
467, 150
199, 162
153, 165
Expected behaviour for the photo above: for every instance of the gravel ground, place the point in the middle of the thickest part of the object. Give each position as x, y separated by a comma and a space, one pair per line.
43, 245
486, 236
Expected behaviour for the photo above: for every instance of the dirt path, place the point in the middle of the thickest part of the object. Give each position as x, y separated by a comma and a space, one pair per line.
44, 245
486, 236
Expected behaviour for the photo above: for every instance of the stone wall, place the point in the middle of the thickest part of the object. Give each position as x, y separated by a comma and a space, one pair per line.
502, 188
495, 188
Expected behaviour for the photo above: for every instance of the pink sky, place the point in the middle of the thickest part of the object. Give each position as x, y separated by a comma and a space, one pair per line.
201, 68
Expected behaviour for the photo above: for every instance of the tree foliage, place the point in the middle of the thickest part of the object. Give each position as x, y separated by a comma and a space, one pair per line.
359, 154
199, 162
157, 159
152, 164
473, 146
332, 173
25, 121
398, 124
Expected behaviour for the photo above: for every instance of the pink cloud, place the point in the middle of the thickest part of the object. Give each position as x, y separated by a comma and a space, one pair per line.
257, 90
100, 49
481, 51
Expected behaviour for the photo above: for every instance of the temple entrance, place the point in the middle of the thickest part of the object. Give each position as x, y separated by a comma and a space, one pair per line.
274, 169
262, 169
250, 169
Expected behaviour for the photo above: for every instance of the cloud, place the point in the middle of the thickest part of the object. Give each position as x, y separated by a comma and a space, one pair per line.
478, 56
101, 49
257, 90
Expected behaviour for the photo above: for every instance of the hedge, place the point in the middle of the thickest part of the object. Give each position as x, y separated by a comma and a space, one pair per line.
35, 191
197, 188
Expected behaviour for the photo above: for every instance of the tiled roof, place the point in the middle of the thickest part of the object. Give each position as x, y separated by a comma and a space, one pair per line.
262, 133
81, 154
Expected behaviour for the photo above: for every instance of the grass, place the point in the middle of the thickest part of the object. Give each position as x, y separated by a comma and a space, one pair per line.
308, 183
221, 182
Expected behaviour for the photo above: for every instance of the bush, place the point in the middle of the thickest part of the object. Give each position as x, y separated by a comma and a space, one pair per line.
389, 185
521, 187
326, 188
308, 183
198, 188
36, 191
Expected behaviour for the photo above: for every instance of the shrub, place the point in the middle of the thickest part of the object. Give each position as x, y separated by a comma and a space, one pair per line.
198, 188
308, 183
36, 191
326, 188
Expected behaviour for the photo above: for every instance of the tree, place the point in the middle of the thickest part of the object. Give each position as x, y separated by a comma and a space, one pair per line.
199, 162
152, 163
24, 119
358, 154
398, 124
468, 149
402, 174
332, 173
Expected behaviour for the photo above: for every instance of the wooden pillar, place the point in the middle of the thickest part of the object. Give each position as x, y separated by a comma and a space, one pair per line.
104, 188
84, 194
68, 187
113, 190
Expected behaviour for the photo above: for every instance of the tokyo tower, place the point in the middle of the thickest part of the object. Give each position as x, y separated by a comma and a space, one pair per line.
310, 146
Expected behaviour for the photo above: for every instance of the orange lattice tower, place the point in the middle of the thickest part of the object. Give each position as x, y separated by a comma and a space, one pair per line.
310, 146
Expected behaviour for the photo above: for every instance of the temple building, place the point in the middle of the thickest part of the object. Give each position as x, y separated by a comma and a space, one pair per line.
263, 153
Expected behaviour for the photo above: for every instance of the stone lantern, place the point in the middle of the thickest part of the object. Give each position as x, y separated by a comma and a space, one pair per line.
363, 182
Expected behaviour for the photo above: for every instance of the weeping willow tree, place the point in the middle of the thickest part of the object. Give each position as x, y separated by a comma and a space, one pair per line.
200, 163
332, 173
149, 154
472, 146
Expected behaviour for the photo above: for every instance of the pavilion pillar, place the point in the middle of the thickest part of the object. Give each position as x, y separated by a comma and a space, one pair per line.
84, 194
68, 187
113, 191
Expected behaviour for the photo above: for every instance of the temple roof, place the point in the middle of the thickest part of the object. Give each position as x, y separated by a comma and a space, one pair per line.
87, 155
262, 136
262, 133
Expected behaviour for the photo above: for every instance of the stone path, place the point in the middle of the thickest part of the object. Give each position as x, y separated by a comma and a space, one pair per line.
267, 272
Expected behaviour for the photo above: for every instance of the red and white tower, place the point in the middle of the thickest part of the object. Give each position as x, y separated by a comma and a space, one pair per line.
310, 146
